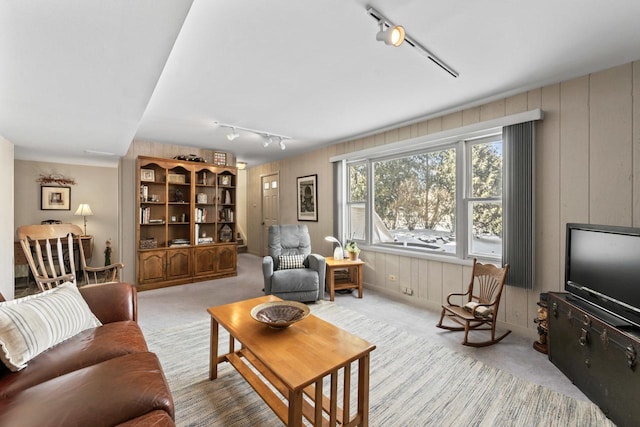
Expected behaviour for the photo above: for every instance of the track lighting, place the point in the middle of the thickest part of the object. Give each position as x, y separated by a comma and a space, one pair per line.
233, 135
392, 36
268, 137
395, 35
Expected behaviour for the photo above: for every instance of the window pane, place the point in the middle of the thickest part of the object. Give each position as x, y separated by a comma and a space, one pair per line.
415, 200
486, 170
357, 183
486, 236
356, 197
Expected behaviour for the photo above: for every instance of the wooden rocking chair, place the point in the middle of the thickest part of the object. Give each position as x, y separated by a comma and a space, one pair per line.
50, 255
480, 309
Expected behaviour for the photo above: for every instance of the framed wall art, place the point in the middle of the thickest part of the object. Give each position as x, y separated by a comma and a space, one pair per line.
147, 175
55, 198
307, 198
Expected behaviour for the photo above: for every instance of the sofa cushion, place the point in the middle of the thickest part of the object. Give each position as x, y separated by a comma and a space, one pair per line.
297, 280
106, 394
286, 262
30, 325
87, 348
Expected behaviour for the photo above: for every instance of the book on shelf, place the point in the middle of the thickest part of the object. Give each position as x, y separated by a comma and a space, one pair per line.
201, 215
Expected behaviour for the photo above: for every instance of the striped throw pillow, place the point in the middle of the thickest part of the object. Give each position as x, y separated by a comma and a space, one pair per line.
31, 325
290, 261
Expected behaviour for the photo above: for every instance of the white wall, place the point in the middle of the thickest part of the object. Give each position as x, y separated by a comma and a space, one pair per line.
97, 186
7, 287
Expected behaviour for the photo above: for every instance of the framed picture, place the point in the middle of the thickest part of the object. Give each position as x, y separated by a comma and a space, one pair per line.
147, 175
308, 198
55, 198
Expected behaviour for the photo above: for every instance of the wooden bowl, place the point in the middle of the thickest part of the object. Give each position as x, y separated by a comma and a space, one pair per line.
280, 314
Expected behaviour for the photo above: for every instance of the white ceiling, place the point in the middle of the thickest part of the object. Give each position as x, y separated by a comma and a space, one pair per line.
78, 76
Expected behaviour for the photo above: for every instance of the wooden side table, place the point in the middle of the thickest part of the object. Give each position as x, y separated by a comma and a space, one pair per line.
352, 281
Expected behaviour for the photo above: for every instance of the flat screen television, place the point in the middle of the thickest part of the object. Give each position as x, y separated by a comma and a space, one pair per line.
603, 268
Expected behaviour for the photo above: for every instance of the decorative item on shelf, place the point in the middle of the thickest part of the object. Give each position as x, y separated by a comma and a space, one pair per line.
226, 234
353, 250
224, 180
338, 252
176, 178
180, 242
148, 175
148, 243
227, 197
179, 195
202, 198
203, 178
219, 159
85, 210
280, 314
190, 158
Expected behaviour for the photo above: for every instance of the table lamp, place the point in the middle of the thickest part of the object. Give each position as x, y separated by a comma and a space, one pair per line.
85, 210
338, 252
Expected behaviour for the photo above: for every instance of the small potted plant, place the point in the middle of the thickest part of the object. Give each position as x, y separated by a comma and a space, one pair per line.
353, 250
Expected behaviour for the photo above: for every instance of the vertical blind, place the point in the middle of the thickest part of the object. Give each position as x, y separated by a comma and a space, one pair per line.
518, 204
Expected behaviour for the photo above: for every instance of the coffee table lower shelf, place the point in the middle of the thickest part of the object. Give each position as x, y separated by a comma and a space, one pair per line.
313, 393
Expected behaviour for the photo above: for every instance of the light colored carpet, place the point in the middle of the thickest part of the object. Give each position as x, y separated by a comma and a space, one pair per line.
413, 383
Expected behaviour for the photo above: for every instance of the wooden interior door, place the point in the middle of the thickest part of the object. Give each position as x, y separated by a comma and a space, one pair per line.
270, 207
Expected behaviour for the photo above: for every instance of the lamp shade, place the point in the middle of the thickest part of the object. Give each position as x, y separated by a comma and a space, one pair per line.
338, 253
84, 209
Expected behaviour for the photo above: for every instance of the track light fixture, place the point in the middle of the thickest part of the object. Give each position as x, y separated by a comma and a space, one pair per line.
393, 36
268, 137
389, 37
233, 135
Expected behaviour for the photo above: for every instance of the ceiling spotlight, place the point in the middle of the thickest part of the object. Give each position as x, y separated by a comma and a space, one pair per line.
282, 146
392, 36
233, 135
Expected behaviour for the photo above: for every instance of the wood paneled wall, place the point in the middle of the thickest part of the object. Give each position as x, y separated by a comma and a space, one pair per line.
587, 170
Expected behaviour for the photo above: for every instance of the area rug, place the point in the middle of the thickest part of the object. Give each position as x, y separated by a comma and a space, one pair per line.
413, 383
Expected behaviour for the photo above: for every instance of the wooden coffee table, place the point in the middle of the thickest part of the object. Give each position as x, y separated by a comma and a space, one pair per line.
295, 360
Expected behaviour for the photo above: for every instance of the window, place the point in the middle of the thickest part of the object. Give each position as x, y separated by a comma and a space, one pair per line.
415, 200
420, 200
484, 198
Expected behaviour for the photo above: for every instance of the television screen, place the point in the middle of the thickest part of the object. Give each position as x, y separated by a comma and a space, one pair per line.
603, 267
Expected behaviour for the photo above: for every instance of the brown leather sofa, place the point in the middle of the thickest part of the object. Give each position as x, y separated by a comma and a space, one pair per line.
104, 376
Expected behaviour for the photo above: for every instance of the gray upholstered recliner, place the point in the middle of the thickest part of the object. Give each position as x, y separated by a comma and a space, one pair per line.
281, 277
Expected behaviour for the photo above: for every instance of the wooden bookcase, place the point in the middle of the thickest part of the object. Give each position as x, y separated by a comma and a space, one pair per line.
185, 222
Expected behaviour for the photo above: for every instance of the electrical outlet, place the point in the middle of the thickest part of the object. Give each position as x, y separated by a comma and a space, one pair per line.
409, 291
392, 278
